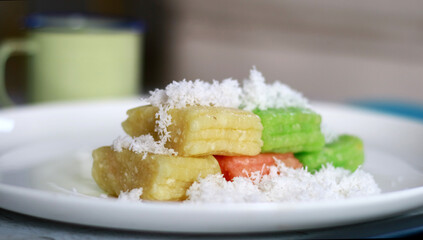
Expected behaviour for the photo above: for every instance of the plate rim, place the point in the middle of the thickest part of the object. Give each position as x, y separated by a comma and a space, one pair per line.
237, 210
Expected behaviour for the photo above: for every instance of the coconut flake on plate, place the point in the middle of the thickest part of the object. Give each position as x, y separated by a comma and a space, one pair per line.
285, 184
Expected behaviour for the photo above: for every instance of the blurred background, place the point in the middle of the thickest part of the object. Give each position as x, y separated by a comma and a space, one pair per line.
330, 50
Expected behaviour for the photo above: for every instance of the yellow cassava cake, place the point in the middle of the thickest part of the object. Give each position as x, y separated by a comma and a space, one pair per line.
202, 130
162, 177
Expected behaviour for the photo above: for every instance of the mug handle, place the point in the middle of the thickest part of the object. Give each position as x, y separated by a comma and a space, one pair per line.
7, 49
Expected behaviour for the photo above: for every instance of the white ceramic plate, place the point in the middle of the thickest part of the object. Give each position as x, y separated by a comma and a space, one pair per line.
45, 172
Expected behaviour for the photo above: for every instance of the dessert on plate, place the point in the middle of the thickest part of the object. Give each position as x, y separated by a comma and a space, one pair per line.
228, 141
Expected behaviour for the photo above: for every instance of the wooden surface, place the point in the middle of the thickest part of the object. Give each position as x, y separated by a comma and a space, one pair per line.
329, 50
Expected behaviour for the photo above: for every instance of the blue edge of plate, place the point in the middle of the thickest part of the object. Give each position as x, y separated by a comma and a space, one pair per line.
400, 108
396, 107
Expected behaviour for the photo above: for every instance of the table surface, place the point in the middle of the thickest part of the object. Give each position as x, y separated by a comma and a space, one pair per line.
18, 226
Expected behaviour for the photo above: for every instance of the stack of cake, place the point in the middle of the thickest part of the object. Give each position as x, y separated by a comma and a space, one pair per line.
170, 147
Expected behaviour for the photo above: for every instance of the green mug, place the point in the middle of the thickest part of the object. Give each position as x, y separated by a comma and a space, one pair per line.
74, 57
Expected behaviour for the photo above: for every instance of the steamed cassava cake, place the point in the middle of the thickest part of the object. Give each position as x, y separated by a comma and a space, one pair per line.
162, 177
290, 129
202, 130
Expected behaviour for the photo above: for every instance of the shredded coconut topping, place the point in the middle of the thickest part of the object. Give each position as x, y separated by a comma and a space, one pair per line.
133, 195
285, 184
192, 93
143, 144
257, 94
